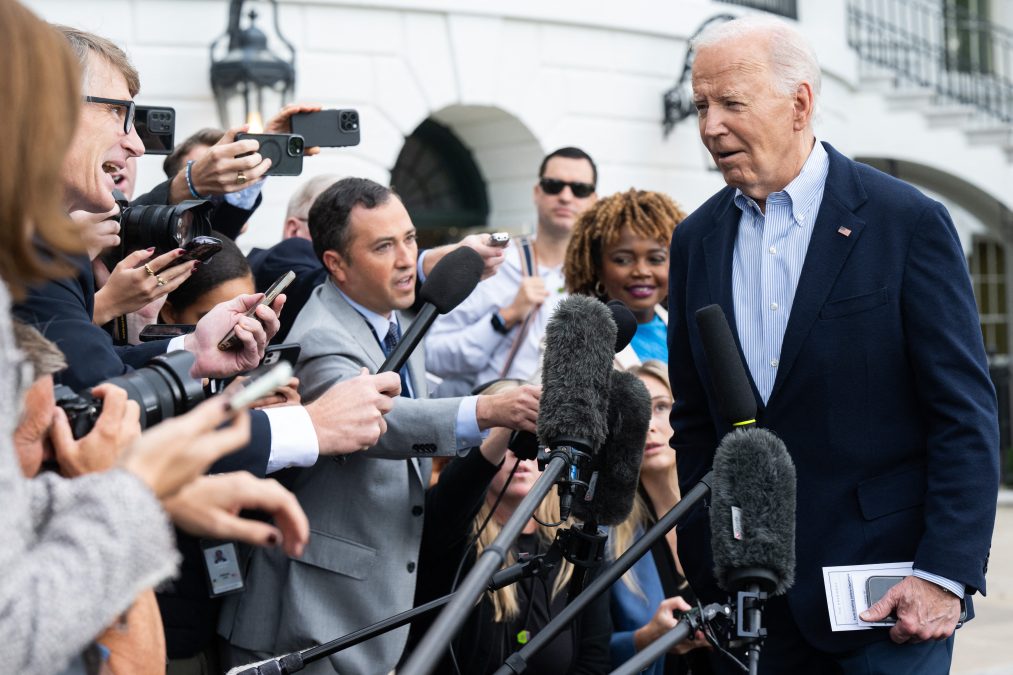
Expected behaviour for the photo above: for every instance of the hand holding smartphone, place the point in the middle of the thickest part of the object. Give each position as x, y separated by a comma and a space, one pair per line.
230, 340
200, 249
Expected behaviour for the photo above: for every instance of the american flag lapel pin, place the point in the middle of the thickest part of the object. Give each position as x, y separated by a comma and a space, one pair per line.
846, 231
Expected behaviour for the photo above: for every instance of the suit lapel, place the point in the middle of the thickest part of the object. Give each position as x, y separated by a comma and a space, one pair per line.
835, 233
719, 247
355, 324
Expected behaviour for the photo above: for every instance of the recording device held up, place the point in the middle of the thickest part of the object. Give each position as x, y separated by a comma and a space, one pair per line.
328, 128
156, 126
284, 150
160, 226
163, 389
276, 289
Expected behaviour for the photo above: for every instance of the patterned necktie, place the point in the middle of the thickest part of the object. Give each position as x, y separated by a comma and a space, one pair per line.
389, 343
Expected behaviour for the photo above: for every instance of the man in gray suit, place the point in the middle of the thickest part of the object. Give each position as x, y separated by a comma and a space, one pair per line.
366, 509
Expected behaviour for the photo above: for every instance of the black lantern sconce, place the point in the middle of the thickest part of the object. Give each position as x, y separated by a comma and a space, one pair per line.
249, 80
678, 101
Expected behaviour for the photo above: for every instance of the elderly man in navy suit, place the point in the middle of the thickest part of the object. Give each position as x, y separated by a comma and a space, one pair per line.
850, 298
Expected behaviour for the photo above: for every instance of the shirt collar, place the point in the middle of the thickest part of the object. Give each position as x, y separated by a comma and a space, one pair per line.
802, 192
380, 324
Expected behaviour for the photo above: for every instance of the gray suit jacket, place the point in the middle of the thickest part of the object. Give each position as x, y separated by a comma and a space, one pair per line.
365, 512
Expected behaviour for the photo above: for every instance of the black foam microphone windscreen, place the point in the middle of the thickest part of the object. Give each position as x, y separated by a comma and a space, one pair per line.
579, 341
731, 385
618, 461
626, 324
452, 279
753, 509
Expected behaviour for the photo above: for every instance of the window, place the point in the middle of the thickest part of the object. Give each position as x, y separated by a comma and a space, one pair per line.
988, 274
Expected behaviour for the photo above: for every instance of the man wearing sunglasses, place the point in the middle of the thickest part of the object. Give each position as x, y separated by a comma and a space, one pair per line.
497, 331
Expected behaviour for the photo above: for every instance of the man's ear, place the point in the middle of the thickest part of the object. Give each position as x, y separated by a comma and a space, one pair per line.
805, 104
337, 265
290, 228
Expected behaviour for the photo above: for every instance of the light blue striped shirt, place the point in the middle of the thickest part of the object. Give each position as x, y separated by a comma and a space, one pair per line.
770, 249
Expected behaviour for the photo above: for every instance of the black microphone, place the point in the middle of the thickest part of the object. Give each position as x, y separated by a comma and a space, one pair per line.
731, 385
618, 462
579, 341
524, 444
626, 324
451, 281
753, 512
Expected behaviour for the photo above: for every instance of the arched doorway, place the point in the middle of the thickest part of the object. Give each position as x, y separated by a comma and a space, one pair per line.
466, 168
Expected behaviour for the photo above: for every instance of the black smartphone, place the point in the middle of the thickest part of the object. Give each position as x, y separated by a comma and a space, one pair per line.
284, 150
285, 352
156, 126
230, 340
328, 128
161, 331
201, 249
877, 586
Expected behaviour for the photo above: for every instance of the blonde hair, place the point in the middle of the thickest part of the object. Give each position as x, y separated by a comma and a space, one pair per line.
504, 601
651, 215
37, 66
640, 518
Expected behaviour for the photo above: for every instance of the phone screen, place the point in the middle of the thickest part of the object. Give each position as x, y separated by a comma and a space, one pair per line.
230, 341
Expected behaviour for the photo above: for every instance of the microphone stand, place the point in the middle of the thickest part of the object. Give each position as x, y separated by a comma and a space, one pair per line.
567, 456
527, 566
517, 662
688, 625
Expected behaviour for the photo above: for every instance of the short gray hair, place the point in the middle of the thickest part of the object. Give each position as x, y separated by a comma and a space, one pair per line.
300, 202
792, 59
43, 355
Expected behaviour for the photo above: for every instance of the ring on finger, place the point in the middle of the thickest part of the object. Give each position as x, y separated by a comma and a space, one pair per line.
161, 281
241, 178
148, 269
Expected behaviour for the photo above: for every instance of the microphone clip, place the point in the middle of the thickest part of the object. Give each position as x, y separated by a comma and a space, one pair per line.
578, 479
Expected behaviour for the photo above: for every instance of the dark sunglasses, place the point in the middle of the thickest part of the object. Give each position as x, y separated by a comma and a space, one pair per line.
553, 186
128, 107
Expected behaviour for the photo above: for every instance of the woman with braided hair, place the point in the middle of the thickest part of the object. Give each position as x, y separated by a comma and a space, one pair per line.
619, 251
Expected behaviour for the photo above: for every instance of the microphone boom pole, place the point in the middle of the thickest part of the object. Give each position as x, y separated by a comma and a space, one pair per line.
443, 630
517, 662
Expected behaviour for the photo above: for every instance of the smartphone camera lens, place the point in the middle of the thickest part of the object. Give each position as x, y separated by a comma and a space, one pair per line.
296, 144
349, 120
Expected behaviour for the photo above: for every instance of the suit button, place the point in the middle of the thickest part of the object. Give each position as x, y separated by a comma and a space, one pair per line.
411, 567
416, 510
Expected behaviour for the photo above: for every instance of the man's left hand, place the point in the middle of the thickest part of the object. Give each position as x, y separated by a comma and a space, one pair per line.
252, 333
924, 611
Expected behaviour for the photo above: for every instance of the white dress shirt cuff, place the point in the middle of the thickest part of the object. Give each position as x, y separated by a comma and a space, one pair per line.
468, 433
176, 344
293, 439
955, 587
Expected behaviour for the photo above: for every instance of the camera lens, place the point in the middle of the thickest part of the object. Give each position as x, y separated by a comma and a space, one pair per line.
295, 145
164, 227
163, 388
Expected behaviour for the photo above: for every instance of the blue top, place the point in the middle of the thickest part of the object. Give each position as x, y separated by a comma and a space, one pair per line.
651, 340
630, 611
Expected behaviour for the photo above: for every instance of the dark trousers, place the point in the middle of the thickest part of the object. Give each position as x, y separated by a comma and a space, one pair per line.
786, 651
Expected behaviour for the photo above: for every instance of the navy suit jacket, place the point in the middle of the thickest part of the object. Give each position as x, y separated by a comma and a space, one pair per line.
294, 254
882, 395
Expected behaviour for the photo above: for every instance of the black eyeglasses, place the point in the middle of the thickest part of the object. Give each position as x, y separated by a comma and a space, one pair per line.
553, 186
126, 109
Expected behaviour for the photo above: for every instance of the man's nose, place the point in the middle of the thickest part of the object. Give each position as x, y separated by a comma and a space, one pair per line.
132, 143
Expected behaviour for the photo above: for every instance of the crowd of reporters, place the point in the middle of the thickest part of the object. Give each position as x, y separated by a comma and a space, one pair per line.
107, 445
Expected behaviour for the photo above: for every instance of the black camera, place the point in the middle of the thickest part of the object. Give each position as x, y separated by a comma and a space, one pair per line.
164, 227
163, 388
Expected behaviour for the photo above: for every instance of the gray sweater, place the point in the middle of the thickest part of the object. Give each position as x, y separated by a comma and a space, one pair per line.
74, 553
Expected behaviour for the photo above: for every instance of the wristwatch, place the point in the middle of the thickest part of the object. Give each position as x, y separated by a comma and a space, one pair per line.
498, 325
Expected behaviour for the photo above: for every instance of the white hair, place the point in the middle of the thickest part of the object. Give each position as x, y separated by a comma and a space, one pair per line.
792, 59
300, 202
